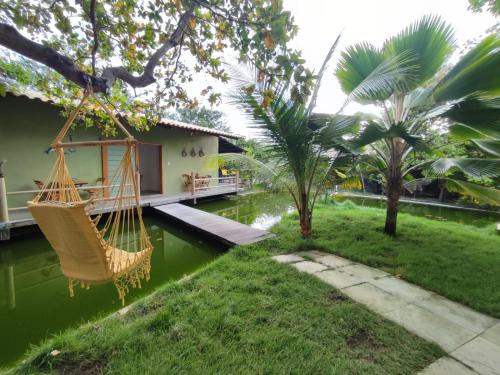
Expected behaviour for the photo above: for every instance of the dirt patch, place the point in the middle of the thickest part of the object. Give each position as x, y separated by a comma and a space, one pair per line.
336, 297
361, 338
84, 367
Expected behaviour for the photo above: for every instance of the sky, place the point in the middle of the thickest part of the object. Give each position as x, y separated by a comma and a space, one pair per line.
320, 21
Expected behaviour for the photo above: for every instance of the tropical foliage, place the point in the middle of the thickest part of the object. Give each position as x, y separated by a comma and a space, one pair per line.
202, 116
308, 151
413, 87
492, 6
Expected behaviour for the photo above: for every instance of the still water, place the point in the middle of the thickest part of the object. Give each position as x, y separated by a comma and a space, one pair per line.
475, 218
34, 301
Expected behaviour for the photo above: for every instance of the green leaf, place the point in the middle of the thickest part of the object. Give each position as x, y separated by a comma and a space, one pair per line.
477, 71
463, 132
479, 114
478, 168
489, 146
356, 64
430, 41
376, 132
367, 75
483, 194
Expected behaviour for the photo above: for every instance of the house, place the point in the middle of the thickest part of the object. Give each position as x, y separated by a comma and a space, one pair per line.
29, 122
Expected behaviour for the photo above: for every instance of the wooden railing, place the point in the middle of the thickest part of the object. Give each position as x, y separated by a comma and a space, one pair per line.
204, 183
4, 194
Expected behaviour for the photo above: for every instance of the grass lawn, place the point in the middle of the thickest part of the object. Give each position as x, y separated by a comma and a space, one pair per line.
454, 260
244, 314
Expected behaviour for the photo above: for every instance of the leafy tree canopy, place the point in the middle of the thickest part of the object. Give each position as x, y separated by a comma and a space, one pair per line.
492, 6
202, 116
143, 53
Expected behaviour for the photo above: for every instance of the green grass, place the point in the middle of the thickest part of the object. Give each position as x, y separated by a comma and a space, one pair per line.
454, 260
242, 314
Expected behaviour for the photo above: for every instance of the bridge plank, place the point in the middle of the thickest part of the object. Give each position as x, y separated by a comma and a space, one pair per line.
225, 230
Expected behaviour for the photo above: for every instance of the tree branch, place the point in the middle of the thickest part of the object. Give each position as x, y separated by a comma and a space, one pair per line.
15, 41
147, 77
12, 39
95, 31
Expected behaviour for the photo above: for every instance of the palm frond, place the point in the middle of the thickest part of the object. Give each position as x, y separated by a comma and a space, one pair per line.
419, 97
477, 113
367, 76
481, 193
375, 132
489, 146
477, 71
478, 168
430, 40
462, 132
331, 133
322, 70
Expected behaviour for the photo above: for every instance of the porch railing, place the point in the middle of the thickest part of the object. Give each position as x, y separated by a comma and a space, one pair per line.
200, 183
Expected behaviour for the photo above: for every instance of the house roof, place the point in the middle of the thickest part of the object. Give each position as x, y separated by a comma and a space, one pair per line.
168, 123
196, 128
226, 147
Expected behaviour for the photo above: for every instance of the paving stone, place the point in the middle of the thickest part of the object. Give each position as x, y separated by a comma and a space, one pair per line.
492, 334
400, 288
333, 261
480, 354
339, 278
447, 366
287, 258
375, 298
309, 267
314, 253
431, 327
365, 272
457, 313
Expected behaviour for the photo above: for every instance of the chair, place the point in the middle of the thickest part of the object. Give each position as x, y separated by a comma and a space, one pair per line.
93, 192
187, 181
41, 186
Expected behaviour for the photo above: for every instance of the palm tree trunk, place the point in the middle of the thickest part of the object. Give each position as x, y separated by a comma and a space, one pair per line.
305, 217
393, 188
393, 193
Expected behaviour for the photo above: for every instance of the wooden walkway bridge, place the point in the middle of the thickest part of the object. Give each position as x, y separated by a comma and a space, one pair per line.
224, 230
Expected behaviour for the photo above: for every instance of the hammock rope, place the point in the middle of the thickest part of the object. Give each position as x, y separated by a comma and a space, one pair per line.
114, 245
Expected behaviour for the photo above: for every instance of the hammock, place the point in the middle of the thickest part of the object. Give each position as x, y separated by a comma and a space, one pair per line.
107, 248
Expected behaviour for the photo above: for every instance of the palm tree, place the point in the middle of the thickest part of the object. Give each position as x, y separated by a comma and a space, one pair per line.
410, 83
308, 150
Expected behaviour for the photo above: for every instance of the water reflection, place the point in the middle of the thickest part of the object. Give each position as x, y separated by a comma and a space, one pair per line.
34, 301
440, 213
260, 211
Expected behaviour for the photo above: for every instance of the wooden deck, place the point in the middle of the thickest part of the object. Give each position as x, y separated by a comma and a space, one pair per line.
22, 218
224, 230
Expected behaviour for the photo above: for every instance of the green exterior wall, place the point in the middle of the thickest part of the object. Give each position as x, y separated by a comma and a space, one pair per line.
174, 164
27, 127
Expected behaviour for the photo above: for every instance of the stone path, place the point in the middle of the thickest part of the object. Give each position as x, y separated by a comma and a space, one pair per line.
471, 339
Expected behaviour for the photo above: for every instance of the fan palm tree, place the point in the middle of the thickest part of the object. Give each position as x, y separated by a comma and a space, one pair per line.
410, 83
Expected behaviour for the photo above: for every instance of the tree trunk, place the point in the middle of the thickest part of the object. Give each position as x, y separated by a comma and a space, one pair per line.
305, 224
442, 192
393, 188
305, 217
